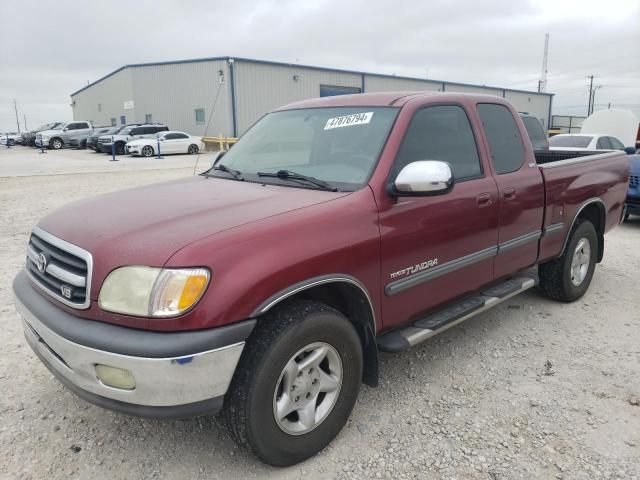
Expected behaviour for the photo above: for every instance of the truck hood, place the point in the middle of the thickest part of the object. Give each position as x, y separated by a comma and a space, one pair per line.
50, 132
146, 225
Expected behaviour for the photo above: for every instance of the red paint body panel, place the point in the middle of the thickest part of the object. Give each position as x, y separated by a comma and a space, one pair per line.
258, 240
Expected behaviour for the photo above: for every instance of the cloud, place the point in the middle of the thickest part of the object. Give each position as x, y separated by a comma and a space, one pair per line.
51, 49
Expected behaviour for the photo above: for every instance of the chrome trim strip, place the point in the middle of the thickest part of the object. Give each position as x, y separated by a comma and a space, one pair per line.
554, 228
575, 217
159, 381
310, 283
583, 159
426, 275
75, 250
518, 241
67, 277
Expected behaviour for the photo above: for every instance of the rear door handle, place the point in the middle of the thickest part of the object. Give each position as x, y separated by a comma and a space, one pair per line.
484, 200
508, 193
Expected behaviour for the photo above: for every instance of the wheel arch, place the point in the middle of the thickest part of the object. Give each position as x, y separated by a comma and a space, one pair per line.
347, 295
594, 211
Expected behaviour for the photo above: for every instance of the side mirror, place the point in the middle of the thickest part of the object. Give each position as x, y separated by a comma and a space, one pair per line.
423, 178
630, 150
218, 157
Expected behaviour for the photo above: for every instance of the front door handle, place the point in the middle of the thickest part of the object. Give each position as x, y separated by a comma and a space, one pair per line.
484, 200
508, 193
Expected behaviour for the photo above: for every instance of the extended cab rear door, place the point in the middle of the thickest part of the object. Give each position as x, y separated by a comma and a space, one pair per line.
520, 188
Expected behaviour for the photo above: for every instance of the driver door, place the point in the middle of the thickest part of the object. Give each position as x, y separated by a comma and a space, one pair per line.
436, 248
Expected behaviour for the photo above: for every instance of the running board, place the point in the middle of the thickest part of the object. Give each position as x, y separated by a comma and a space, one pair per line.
453, 314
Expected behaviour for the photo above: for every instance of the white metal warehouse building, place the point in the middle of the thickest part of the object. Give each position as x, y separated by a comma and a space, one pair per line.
182, 93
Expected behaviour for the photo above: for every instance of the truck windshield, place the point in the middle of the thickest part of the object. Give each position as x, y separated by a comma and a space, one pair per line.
339, 146
574, 141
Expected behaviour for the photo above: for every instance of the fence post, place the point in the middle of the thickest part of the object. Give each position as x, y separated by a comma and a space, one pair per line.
113, 150
41, 145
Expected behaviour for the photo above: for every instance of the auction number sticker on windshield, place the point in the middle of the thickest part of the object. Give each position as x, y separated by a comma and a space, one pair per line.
349, 120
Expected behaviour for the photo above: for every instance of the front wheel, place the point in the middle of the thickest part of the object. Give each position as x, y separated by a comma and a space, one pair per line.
120, 149
296, 383
55, 144
147, 151
567, 277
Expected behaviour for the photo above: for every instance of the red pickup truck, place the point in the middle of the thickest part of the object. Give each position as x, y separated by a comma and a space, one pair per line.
335, 228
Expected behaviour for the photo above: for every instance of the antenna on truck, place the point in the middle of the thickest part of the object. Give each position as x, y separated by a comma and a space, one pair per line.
213, 109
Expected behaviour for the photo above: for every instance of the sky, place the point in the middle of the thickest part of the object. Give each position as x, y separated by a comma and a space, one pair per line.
51, 49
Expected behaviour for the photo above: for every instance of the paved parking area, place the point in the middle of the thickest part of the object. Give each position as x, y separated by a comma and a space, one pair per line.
531, 389
21, 161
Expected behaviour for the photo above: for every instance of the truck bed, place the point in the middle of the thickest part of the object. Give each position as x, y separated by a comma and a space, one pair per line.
548, 156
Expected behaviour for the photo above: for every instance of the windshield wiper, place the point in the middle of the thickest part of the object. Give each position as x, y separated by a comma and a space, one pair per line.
234, 173
289, 175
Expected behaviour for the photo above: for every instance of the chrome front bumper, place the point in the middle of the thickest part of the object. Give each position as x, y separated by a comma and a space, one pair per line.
159, 382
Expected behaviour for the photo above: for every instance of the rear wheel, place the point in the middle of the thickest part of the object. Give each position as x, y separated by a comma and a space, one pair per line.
147, 151
192, 150
567, 277
296, 383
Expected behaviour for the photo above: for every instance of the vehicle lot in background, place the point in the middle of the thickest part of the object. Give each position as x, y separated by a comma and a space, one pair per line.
532, 389
21, 161
584, 141
134, 132
170, 142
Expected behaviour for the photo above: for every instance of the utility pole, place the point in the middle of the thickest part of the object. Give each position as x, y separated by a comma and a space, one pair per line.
593, 98
25, 124
590, 77
15, 107
542, 83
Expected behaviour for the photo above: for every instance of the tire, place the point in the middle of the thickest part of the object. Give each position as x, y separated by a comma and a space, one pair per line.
558, 280
55, 144
120, 148
193, 149
260, 383
147, 151
83, 144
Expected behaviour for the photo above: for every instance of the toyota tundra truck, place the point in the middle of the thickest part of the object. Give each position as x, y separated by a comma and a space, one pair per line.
336, 228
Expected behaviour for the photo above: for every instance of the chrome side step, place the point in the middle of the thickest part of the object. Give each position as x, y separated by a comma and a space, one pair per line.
454, 313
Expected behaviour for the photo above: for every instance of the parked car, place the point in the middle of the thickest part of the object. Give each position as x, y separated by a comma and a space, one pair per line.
334, 228
78, 139
11, 138
535, 131
170, 142
632, 204
580, 141
29, 138
127, 134
94, 142
55, 138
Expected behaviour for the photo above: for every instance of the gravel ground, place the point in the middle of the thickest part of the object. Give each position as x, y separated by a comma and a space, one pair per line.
532, 389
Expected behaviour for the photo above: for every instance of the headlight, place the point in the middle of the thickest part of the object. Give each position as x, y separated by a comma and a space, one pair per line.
153, 292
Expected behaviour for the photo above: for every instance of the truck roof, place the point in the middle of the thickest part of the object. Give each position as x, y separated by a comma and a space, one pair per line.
381, 99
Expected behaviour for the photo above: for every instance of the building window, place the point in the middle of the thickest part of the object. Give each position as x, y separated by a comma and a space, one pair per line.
113, 122
123, 119
199, 115
99, 107
333, 90
148, 118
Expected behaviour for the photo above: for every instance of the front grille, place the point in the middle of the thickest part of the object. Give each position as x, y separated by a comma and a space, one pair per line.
634, 180
60, 268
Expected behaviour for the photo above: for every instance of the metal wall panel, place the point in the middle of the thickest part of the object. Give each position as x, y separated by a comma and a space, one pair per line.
105, 100
262, 87
378, 83
538, 105
456, 87
171, 93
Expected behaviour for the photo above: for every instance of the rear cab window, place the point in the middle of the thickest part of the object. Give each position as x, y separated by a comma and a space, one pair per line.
503, 136
441, 132
536, 132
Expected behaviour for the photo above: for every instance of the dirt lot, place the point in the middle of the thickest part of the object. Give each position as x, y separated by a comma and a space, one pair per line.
532, 389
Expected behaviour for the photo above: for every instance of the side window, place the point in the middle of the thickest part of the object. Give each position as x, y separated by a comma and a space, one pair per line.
73, 126
136, 131
170, 136
82, 126
200, 115
505, 142
603, 143
180, 135
441, 133
616, 144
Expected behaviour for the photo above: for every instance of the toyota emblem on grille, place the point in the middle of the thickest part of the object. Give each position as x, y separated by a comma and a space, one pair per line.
41, 262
